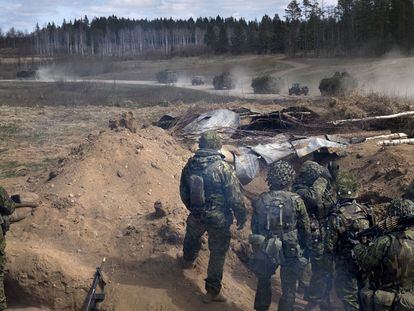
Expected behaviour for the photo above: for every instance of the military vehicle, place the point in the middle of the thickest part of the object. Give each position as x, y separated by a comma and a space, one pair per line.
167, 77
225, 81
267, 85
340, 83
297, 89
197, 80
26, 74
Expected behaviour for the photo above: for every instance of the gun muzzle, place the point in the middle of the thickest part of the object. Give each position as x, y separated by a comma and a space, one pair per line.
26, 204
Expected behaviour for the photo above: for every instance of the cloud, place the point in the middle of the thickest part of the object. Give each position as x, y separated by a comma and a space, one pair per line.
24, 14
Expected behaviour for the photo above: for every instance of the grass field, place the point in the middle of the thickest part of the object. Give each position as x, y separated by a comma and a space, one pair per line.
62, 93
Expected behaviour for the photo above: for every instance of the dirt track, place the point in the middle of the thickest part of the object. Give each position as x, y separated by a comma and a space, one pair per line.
243, 88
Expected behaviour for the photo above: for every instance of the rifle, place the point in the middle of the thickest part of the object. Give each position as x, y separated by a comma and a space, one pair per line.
387, 225
93, 299
19, 203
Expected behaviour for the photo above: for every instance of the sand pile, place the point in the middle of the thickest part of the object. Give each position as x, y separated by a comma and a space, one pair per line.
383, 172
100, 203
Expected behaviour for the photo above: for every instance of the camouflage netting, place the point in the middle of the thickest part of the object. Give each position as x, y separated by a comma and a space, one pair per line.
346, 186
210, 140
280, 175
267, 85
167, 77
224, 81
401, 208
339, 84
310, 171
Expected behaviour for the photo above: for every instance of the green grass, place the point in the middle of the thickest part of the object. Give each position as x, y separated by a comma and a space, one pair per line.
11, 169
97, 94
9, 130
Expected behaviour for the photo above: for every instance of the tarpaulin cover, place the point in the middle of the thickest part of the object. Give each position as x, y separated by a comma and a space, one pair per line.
213, 120
306, 146
278, 149
247, 165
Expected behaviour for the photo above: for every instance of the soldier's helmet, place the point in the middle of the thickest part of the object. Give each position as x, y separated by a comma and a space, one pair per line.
311, 171
210, 140
280, 175
401, 208
346, 186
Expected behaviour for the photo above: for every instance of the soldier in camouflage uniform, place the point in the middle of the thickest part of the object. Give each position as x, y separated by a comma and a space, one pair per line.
279, 215
390, 259
347, 219
6, 209
211, 191
313, 184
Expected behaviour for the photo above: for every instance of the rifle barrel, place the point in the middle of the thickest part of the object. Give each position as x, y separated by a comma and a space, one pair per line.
26, 204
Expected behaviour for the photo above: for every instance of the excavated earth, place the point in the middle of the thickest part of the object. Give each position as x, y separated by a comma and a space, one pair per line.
101, 204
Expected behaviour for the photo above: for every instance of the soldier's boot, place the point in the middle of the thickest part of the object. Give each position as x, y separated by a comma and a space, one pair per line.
209, 298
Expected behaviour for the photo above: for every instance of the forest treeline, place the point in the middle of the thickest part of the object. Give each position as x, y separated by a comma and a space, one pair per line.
353, 27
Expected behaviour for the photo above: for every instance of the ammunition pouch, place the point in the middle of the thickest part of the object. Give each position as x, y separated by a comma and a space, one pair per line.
384, 300
272, 248
197, 196
291, 248
257, 241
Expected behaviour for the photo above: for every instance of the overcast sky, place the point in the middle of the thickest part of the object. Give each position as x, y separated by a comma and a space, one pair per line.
24, 14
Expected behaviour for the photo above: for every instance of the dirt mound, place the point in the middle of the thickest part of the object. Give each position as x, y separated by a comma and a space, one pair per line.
124, 120
384, 172
101, 204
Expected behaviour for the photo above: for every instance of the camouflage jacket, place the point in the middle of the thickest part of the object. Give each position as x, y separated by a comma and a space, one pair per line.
389, 259
282, 214
348, 218
223, 196
317, 197
6, 209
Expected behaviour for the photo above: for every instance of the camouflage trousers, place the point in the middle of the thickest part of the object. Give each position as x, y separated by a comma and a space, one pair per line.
3, 304
346, 286
289, 275
318, 291
218, 244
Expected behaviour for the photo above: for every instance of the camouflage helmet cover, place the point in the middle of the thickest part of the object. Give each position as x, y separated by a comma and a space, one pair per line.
210, 140
280, 174
310, 171
401, 208
346, 186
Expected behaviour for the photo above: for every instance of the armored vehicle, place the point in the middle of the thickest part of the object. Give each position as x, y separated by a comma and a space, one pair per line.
167, 77
340, 83
225, 81
298, 89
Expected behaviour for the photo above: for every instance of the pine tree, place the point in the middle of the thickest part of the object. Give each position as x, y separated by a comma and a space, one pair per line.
238, 39
223, 41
